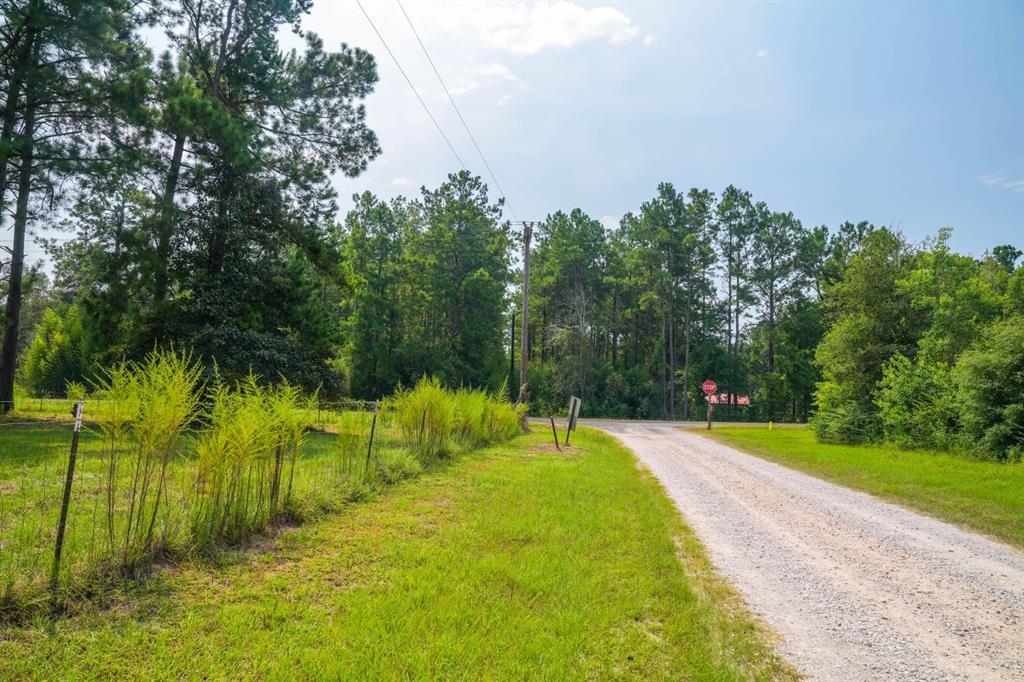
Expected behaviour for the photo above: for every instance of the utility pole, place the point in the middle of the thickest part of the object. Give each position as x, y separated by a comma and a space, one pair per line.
512, 357
524, 332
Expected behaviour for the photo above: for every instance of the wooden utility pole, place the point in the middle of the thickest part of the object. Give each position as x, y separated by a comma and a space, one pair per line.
512, 357
524, 331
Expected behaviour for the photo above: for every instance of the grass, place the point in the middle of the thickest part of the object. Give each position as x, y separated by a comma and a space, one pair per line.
976, 494
511, 562
164, 473
33, 461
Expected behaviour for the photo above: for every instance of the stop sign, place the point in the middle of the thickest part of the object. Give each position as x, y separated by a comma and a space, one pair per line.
709, 387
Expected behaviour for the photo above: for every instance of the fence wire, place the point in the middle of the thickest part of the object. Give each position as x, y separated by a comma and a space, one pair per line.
125, 511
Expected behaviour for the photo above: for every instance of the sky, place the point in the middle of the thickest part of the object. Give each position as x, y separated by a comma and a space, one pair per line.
903, 114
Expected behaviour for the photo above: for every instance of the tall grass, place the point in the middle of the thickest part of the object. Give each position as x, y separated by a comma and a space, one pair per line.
431, 417
151, 405
171, 466
426, 418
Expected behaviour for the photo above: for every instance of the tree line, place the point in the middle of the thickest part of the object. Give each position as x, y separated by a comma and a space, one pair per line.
196, 184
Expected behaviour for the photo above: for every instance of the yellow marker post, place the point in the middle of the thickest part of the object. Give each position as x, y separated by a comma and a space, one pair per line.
770, 425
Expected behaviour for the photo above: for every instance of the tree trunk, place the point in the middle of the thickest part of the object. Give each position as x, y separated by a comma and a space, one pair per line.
10, 115
166, 222
9, 352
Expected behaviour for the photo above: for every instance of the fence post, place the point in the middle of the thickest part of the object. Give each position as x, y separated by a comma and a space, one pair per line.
65, 503
554, 433
373, 430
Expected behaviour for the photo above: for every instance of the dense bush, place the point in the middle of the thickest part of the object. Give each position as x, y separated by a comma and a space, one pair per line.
917, 403
841, 418
990, 386
58, 354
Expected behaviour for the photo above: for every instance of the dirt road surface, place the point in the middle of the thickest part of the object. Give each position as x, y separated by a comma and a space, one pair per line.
859, 589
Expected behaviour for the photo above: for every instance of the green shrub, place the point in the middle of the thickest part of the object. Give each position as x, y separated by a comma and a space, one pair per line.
352, 444
58, 354
917, 403
842, 419
990, 385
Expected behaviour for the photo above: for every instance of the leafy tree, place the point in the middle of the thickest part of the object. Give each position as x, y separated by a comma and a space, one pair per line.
737, 218
990, 386
917, 403
568, 271
376, 274
66, 67
777, 278
462, 253
874, 320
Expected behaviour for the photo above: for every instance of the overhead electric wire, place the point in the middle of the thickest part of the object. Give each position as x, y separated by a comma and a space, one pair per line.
411, 86
457, 110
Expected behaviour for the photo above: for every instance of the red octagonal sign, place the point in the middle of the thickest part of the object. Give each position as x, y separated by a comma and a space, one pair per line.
709, 387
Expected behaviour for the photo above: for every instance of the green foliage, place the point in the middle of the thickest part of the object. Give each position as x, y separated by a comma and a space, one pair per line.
392, 466
426, 417
352, 446
990, 385
874, 319
151, 404
917, 403
59, 354
432, 417
922, 349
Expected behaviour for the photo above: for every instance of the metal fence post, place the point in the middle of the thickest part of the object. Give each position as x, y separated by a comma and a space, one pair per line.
554, 432
66, 502
373, 430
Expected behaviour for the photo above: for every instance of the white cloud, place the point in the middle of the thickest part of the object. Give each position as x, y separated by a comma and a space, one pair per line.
499, 71
648, 40
763, 54
403, 182
999, 180
527, 28
610, 222
503, 100
462, 85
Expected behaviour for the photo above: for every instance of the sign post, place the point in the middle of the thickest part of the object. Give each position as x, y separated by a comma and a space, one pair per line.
709, 387
574, 413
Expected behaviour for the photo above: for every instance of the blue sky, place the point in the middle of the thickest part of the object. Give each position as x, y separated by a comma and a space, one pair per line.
907, 114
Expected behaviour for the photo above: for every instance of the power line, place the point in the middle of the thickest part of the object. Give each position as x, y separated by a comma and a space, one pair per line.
411, 86
457, 110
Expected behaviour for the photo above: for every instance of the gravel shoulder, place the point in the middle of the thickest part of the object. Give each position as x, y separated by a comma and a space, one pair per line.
858, 589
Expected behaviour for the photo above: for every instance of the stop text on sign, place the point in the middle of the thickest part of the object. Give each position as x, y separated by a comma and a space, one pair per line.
709, 387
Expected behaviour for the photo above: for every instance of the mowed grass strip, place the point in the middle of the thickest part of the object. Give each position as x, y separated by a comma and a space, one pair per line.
976, 494
514, 562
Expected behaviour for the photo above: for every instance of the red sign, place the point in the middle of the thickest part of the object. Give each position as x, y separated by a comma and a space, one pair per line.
710, 387
724, 399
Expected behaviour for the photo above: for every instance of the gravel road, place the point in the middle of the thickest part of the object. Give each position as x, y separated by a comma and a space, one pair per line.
859, 589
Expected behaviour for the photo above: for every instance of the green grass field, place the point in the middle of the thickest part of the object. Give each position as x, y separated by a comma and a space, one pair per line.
976, 494
510, 562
